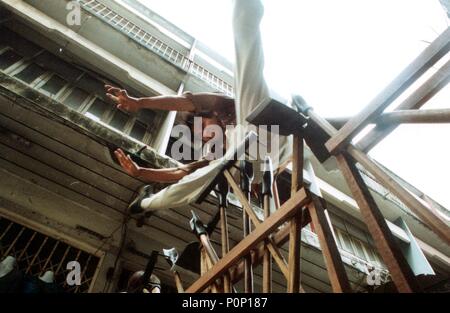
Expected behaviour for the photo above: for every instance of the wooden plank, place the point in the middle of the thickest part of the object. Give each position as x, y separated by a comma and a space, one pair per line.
68, 173
293, 284
8, 164
204, 239
278, 257
434, 221
297, 164
398, 267
332, 257
68, 137
312, 260
294, 253
246, 229
279, 239
415, 101
257, 235
430, 55
225, 245
38, 195
267, 260
415, 117
116, 178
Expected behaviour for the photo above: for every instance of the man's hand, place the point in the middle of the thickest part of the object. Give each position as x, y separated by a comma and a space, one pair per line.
127, 163
122, 99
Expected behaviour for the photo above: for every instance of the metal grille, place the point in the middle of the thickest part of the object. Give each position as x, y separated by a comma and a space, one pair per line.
37, 253
154, 44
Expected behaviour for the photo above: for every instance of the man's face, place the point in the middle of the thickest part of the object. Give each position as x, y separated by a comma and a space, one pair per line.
208, 121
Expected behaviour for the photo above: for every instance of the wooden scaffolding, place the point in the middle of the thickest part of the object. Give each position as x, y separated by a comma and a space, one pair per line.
261, 245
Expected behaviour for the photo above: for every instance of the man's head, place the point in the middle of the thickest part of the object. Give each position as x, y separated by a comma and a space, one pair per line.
135, 283
208, 121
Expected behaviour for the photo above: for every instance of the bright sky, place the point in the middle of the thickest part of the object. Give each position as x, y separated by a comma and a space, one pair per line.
338, 55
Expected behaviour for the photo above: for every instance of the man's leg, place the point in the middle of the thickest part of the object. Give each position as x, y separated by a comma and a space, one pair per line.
250, 86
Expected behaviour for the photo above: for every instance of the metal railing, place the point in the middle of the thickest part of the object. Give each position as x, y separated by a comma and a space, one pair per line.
154, 44
36, 253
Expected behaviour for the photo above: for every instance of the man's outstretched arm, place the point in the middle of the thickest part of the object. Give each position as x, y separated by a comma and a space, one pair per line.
131, 104
151, 175
186, 102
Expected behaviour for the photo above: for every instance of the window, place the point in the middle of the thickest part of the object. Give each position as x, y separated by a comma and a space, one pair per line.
58, 66
30, 73
98, 108
54, 84
147, 116
76, 98
8, 58
346, 242
138, 131
373, 256
359, 249
119, 120
91, 85
36, 253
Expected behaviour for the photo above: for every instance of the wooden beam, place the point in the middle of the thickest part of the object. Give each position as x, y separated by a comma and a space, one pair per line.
178, 282
261, 232
415, 101
293, 285
276, 254
432, 116
206, 243
415, 117
225, 245
279, 239
246, 229
335, 267
297, 164
431, 54
295, 228
215, 287
398, 267
433, 220
267, 259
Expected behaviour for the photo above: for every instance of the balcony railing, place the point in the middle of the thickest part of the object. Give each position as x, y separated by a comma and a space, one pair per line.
155, 45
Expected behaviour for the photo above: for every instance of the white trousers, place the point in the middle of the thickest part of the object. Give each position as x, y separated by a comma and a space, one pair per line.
249, 83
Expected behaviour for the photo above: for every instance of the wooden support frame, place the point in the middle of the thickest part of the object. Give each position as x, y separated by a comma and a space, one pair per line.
415, 101
267, 259
335, 267
261, 232
293, 284
276, 254
206, 243
396, 263
225, 245
433, 220
248, 269
439, 47
394, 118
178, 282
415, 117
279, 239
